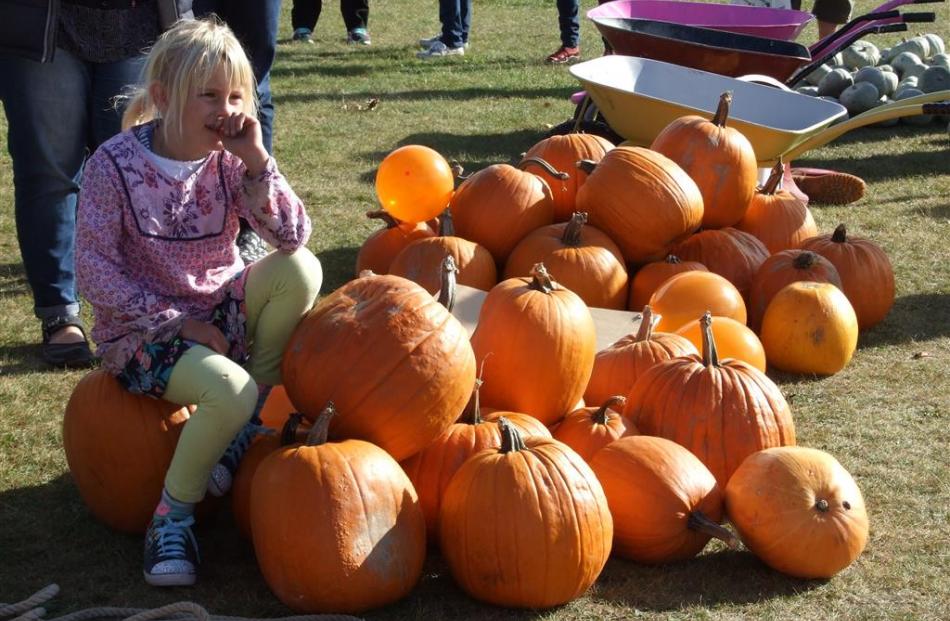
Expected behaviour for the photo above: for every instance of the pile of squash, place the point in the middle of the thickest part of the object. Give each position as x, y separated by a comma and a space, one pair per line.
862, 76
523, 453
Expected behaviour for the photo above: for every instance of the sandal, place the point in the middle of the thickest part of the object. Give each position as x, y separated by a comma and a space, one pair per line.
73, 355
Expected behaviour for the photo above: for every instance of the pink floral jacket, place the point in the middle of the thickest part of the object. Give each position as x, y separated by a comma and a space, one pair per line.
152, 250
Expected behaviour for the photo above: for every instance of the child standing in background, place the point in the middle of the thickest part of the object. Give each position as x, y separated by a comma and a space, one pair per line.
177, 313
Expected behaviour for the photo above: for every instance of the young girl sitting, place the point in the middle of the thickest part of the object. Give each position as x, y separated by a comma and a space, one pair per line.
177, 314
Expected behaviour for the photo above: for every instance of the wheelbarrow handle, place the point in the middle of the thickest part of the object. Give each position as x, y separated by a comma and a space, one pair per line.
846, 30
893, 4
919, 18
939, 109
822, 57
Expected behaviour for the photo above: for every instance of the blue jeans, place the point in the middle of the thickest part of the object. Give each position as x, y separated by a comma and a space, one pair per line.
254, 22
57, 113
456, 18
569, 22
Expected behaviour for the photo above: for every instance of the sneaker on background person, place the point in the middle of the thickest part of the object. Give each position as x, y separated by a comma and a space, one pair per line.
303, 35
358, 36
439, 49
564, 55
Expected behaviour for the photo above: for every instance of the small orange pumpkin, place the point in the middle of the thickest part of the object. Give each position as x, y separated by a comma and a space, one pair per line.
581, 258
867, 277
778, 218
686, 296
617, 367
733, 254
649, 278
589, 429
798, 510
720, 160
733, 340
381, 247
563, 153
665, 503
810, 327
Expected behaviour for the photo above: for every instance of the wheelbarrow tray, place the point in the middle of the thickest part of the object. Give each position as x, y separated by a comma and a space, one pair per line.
717, 51
785, 24
639, 97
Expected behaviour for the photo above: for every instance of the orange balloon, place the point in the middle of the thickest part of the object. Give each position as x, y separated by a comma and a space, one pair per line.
686, 296
733, 340
414, 183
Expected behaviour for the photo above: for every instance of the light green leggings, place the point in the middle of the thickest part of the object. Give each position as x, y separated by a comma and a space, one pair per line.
280, 289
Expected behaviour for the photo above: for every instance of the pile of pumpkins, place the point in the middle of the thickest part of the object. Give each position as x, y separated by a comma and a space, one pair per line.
527, 456
862, 76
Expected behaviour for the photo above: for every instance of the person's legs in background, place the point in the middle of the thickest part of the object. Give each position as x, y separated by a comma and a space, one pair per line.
356, 18
48, 129
452, 40
570, 28
304, 15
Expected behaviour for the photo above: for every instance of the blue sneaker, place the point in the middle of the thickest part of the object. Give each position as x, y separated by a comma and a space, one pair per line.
222, 475
303, 35
358, 36
171, 552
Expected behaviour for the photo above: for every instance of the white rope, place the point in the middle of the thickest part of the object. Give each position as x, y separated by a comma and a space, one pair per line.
30, 609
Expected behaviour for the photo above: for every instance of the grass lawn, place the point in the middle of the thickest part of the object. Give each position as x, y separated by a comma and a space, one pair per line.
885, 417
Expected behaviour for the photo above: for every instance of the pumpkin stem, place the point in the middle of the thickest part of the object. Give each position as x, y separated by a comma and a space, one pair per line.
472, 414
822, 505
321, 426
382, 214
366, 273
572, 232
600, 416
645, 333
586, 166
840, 235
710, 355
511, 440
288, 433
447, 292
699, 522
457, 170
775, 177
446, 226
551, 170
722, 112
672, 259
542, 279
805, 260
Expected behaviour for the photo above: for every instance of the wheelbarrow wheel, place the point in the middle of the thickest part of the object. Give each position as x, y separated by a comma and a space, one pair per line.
597, 128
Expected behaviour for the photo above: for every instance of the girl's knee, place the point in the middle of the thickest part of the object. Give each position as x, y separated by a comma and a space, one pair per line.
299, 272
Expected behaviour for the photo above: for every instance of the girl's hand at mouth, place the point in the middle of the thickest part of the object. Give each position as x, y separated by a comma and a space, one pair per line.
241, 135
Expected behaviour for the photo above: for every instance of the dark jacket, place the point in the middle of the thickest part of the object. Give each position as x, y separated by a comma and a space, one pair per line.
28, 27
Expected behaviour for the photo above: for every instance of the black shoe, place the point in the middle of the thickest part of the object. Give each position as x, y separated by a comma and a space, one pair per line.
171, 552
250, 245
72, 355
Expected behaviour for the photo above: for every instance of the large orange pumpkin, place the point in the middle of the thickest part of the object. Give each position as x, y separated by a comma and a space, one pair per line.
337, 527
119, 446
718, 158
782, 268
733, 254
798, 510
421, 260
563, 153
396, 363
579, 257
665, 503
537, 343
589, 429
778, 218
617, 367
867, 277
644, 199
649, 278
722, 411
685, 297
498, 206
381, 247
526, 525
809, 327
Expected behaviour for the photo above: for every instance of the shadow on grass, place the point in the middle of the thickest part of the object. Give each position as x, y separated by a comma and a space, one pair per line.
338, 267
917, 317
462, 94
725, 577
13, 279
22, 359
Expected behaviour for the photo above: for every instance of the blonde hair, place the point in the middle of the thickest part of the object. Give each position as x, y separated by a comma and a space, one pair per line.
182, 60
